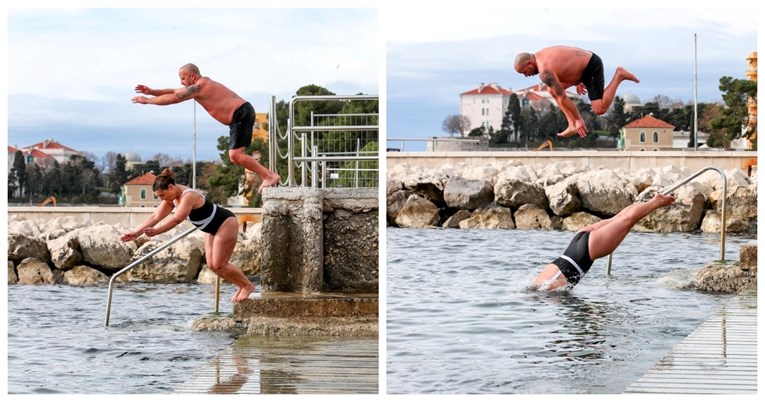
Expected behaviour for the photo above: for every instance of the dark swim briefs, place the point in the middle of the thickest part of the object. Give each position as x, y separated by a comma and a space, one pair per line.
575, 261
240, 129
593, 79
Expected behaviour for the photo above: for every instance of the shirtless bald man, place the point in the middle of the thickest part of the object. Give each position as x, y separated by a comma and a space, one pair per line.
561, 67
222, 104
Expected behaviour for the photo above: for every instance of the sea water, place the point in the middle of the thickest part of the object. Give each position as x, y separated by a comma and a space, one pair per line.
57, 341
462, 317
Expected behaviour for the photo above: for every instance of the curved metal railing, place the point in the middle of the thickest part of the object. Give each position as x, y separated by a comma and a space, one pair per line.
136, 262
722, 206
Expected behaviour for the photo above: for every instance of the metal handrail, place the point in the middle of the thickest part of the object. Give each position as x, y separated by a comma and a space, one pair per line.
293, 130
138, 261
722, 214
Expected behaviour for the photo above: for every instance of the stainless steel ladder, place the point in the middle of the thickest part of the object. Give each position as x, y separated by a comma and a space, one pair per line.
142, 259
722, 214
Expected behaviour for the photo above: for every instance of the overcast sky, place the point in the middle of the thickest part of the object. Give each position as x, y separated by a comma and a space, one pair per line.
72, 72
429, 66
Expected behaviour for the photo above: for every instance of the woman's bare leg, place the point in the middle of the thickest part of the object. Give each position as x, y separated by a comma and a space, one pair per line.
221, 249
606, 238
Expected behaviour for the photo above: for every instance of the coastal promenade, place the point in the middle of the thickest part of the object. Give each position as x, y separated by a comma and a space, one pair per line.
629, 161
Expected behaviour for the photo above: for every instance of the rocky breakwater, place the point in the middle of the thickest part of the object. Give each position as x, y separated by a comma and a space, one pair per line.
65, 251
562, 196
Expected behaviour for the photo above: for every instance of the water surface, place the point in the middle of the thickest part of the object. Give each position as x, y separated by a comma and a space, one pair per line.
462, 319
57, 342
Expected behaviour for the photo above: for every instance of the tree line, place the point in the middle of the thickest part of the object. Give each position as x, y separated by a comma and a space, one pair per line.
522, 126
82, 181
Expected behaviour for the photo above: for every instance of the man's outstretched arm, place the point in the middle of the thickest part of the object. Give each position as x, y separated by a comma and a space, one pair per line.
177, 96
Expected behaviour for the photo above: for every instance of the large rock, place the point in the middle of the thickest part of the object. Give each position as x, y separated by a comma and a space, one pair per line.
684, 215
604, 192
486, 173
741, 202
82, 275
490, 216
22, 226
454, 221
563, 198
65, 251
532, 217
12, 278
578, 220
22, 246
33, 271
463, 193
418, 212
101, 247
396, 202
428, 184
747, 254
515, 187
179, 263
725, 278
712, 223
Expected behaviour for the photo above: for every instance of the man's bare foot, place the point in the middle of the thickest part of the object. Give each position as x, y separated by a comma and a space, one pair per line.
238, 290
568, 132
623, 74
244, 293
269, 181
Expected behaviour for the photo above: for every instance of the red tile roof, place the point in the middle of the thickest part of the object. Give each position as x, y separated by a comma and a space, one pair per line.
12, 150
648, 122
37, 154
50, 144
147, 178
491, 89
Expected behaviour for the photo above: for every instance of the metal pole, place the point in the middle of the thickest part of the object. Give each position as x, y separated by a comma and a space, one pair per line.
608, 268
217, 293
695, 97
194, 150
136, 262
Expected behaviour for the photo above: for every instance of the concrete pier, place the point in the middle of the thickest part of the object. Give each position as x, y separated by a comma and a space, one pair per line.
319, 264
719, 357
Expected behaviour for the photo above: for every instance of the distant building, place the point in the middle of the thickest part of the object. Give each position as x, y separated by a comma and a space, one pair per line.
646, 134
52, 148
631, 101
32, 156
138, 192
132, 159
485, 105
681, 139
539, 98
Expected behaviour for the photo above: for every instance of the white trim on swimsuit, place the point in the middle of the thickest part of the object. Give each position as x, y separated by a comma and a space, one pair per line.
204, 222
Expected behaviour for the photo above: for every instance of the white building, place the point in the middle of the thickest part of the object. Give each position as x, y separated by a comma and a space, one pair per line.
485, 105
54, 149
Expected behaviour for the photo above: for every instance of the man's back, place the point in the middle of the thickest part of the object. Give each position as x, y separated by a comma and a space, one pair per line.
565, 61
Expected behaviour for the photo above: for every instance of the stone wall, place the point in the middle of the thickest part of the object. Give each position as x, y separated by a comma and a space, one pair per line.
320, 240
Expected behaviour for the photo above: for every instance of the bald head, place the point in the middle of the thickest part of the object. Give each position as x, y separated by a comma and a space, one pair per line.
191, 68
521, 59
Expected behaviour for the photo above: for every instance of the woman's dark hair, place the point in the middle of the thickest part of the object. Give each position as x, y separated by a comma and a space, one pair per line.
166, 178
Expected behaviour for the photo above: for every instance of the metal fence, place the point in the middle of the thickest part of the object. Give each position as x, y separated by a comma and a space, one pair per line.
333, 150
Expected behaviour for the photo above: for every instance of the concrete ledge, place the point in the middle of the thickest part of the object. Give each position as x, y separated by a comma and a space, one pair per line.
297, 305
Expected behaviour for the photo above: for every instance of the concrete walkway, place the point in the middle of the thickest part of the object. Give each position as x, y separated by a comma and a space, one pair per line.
719, 357
291, 365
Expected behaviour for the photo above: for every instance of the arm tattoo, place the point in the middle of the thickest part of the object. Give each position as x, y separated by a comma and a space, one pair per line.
553, 84
189, 92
